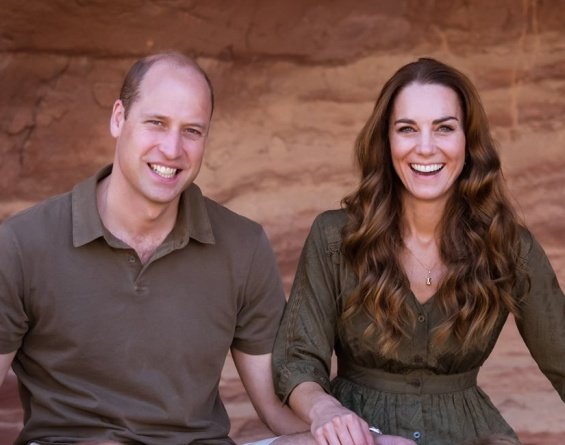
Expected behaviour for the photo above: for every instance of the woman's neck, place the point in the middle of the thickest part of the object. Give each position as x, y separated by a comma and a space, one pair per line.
421, 220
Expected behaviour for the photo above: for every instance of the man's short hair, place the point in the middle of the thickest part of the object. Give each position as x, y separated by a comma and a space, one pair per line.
129, 92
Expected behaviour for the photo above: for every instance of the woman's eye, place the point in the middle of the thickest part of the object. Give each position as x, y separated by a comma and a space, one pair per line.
445, 129
405, 129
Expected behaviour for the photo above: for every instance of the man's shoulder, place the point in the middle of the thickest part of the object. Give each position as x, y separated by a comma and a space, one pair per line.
44, 225
41, 214
225, 219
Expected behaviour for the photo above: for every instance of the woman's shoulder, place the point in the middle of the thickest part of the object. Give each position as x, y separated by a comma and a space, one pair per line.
332, 218
330, 224
529, 246
532, 253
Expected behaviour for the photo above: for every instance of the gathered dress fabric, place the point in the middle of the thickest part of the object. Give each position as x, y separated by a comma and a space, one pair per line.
427, 392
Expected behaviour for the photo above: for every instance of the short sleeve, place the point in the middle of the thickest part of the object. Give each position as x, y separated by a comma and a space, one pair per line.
13, 318
542, 319
305, 341
263, 302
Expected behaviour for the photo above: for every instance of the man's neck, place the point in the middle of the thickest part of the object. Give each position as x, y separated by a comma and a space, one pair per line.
141, 225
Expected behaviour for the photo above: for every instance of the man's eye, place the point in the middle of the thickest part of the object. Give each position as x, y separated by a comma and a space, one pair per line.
155, 122
194, 131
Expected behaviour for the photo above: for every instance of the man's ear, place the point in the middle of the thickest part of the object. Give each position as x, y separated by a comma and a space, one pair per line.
117, 119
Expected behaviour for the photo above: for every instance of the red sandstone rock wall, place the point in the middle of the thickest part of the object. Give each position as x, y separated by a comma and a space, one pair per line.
295, 81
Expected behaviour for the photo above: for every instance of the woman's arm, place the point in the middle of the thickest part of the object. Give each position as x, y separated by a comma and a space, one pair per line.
330, 422
542, 317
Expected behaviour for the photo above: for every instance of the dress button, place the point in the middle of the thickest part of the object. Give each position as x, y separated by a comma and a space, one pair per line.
416, 435
421, 318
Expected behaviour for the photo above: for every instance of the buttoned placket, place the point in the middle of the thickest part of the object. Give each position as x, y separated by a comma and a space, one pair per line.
420, 356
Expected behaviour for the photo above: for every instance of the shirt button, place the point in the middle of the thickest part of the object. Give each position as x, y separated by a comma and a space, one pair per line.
131, 259
416, 435
416, 383
421, 318
418, 359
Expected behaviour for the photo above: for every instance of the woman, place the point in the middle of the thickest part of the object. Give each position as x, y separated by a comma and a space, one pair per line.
411, 282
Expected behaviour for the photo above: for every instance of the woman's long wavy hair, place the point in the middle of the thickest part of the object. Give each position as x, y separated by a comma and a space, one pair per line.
478, 232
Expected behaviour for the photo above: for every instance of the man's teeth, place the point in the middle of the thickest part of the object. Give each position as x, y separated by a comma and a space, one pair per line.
161, 170
426, 168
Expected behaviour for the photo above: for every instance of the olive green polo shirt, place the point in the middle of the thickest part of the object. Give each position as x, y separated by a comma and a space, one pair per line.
110, 348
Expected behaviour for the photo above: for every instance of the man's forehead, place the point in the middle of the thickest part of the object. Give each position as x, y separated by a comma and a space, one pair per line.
164, 68
163, 71
167, 92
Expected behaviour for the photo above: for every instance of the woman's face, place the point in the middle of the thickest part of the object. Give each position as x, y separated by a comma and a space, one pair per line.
427, 141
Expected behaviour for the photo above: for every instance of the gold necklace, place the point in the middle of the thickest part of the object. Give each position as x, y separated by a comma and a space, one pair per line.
429, 269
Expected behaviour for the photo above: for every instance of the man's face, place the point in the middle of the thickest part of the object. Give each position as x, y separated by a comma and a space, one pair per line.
160, 145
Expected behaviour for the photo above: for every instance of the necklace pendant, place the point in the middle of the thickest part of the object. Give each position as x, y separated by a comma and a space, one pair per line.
429, 279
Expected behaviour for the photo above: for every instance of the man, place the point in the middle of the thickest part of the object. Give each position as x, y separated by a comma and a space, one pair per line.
120, 300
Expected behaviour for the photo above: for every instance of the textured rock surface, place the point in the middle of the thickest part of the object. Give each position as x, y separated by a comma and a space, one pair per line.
295, 81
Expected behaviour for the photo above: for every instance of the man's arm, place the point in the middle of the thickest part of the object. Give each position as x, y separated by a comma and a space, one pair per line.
5, 363
255, 373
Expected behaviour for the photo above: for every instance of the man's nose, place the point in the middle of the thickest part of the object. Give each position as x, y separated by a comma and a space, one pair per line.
171, 145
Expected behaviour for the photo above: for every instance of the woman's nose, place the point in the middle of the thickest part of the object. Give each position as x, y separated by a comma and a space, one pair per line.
426, 143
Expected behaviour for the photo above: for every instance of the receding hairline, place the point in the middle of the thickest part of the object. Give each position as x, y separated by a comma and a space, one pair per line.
174, 59
178, 60
129, 92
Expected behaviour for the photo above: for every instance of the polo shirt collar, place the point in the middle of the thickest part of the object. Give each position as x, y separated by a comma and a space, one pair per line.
192, 220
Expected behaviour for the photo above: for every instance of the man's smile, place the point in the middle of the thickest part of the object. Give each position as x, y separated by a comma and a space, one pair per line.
163, 171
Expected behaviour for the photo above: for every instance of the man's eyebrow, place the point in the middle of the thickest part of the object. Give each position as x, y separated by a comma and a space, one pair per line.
154, 116
196, 124
165, 118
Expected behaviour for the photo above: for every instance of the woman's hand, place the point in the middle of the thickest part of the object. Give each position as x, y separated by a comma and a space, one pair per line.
308, 439
333, 424
393, 440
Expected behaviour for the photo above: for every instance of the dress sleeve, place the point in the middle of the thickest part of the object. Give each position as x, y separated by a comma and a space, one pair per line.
305, 341
542, 319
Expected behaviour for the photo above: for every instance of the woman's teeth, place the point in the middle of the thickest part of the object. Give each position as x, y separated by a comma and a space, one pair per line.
426, 168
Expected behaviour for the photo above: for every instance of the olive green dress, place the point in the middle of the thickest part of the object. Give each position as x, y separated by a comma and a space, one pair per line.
426, 393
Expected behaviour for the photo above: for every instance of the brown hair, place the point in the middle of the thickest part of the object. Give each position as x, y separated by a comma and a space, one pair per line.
129, 92
479, 233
